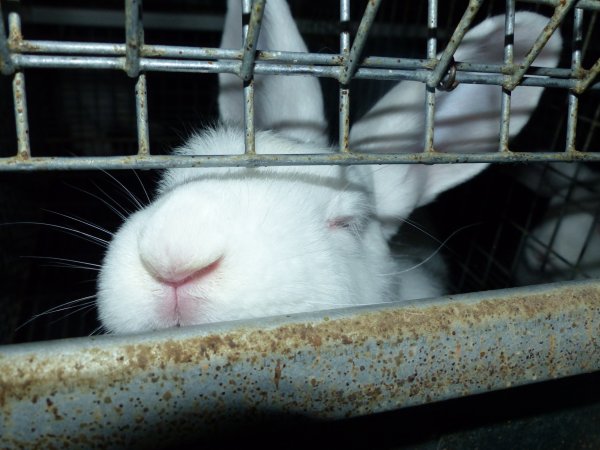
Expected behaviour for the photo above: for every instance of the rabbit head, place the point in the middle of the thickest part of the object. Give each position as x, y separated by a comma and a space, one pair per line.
230, 243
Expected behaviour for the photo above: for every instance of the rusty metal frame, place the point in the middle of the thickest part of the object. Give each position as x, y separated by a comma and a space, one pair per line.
136, 58
131, 391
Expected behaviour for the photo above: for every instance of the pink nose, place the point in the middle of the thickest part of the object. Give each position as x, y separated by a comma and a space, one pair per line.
175, 277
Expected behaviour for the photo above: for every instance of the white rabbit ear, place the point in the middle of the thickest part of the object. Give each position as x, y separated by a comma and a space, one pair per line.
467, 119
291, 105
400, 188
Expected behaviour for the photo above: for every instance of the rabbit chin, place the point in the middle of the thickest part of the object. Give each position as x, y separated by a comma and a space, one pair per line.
178, 306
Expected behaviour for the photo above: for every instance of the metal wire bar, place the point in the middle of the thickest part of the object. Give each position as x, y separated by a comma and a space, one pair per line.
249, 128
251, 39
250, 35
359, 42
432, 20
23, 47
134, 43
163, 161
179, 52
344, 89
332, 364
573, 99
142, 116
509, 30
592, 73
21, 120
20, 100
6, 64
459, 32
147, 64
134, 33
559, 13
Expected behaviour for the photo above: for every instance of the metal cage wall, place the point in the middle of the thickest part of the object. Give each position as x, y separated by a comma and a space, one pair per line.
108, 391
137, 59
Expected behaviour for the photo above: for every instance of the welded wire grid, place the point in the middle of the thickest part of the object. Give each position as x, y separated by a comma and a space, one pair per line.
136, 58
568, 203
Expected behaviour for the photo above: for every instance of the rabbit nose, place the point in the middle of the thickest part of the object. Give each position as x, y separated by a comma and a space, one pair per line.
177, 275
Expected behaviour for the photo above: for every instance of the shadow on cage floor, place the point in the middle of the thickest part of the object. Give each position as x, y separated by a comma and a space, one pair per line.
560, 414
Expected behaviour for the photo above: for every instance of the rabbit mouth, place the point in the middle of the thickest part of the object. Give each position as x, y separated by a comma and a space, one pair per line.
179, 306
179, 298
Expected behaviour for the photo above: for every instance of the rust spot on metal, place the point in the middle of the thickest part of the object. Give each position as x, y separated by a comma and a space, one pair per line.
24, 46
15, 38
152, 52
277, 376
53, 409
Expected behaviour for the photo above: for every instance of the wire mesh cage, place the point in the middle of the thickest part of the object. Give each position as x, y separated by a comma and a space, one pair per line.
90, 89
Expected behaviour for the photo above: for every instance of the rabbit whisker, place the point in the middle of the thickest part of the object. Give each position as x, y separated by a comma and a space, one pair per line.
85, 308
85, 222
76, 264
142, 185
71, 231
420, 228
435, 252
79, 303
121, 215
134, 200
122, 208
98, 330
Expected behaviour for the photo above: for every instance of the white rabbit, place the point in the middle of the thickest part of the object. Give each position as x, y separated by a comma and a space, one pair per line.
566, 243
231, 243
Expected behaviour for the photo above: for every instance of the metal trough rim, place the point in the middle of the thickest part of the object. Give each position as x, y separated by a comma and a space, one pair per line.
327, 365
